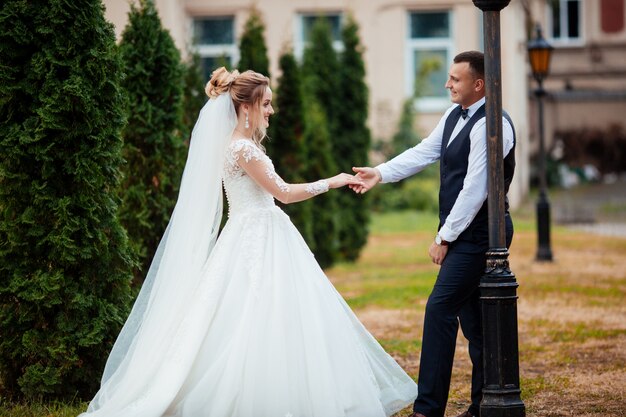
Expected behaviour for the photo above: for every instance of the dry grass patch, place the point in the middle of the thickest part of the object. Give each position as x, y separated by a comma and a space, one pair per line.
571, 317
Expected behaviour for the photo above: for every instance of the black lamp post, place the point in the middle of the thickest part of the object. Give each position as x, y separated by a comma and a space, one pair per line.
539, 52
498, 287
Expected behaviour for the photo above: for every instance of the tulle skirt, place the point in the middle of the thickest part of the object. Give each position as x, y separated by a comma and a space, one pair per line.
279, 340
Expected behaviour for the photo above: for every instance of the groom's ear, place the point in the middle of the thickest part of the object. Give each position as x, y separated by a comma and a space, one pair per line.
479, 84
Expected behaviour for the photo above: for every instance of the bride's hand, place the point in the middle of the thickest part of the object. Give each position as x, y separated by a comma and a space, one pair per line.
342, 179
369, 176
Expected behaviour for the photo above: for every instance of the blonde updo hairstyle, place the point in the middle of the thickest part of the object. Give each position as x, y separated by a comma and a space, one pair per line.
247, 87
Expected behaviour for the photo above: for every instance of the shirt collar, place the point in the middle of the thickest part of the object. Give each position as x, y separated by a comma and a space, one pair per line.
472, 109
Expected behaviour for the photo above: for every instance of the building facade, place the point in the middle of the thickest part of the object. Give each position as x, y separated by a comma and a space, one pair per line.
587, 80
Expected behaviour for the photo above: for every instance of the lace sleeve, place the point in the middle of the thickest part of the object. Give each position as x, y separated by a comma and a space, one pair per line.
317, 187
260, 168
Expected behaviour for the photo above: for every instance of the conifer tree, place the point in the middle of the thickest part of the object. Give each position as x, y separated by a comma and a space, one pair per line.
406, 136
252, 49
65, 268
352, 144
321, 74
321, 165
286, 145
153, 142
194, 97
320, 86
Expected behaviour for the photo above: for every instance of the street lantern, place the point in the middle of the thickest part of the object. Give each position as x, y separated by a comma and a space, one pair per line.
539, 52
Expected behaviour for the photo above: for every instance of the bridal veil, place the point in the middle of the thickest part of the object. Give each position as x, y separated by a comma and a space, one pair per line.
157, 345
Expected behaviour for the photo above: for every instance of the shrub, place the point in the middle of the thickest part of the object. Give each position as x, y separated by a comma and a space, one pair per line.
603, 148
352, 143
324, 207
420, 192
65, 268
154, 137
286, 145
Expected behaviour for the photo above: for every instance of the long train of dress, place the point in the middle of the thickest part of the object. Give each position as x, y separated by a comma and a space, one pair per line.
279, 340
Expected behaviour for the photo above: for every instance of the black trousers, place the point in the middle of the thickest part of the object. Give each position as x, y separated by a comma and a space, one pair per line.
454, 300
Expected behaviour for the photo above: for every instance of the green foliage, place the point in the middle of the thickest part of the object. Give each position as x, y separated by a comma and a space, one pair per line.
321, 165
320, 71
406, 136
320, 74
420, 192
65, 268
153, 146
253, 52
287, 146
194, 96
352, 143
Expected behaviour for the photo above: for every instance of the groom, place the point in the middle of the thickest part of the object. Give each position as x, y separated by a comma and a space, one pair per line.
459, 143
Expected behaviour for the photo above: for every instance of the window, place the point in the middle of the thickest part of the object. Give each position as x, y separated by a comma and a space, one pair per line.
429, 53
304, 25
214, 40
565, 21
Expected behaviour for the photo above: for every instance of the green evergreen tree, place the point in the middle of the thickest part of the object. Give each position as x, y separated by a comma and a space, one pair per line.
252, 49
153, 142
352, 143
320, 72
321, 165
286, 145
65, 268
194, 97
406, 136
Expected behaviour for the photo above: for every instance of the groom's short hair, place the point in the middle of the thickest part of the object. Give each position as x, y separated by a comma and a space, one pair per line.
476, 61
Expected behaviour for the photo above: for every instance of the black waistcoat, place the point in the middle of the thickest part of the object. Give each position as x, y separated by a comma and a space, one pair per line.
453, 168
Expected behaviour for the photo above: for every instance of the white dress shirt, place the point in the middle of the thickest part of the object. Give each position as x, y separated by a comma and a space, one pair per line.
428, 151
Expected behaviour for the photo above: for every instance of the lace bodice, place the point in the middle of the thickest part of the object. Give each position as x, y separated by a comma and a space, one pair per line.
242, 192
251, 182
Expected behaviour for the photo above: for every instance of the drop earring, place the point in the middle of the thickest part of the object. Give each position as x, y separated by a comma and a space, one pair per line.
247, 125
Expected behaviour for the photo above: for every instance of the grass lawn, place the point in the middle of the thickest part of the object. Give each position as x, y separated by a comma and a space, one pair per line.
571, 313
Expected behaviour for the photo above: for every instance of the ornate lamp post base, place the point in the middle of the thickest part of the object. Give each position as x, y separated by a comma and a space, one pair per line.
498, 288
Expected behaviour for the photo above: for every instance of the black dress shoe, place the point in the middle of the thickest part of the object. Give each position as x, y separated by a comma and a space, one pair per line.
416, 414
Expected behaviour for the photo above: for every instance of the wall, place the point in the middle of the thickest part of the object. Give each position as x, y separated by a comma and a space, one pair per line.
383, 30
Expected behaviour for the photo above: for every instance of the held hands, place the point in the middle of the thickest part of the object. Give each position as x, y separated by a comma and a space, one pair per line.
369, 178
342, 179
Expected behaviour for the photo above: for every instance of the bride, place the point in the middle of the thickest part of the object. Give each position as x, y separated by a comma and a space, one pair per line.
246, 325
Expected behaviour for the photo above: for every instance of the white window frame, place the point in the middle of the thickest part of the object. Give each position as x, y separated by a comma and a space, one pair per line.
216, 50
300, 43
433, 103
564, 39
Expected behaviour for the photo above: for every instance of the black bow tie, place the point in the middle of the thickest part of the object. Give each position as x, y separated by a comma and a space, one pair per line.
464, 113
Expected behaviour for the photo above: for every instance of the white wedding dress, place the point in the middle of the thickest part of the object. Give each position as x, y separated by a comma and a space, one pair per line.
264, 333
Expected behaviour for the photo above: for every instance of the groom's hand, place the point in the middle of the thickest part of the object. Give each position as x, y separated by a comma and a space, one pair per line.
437, 253
369, 177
